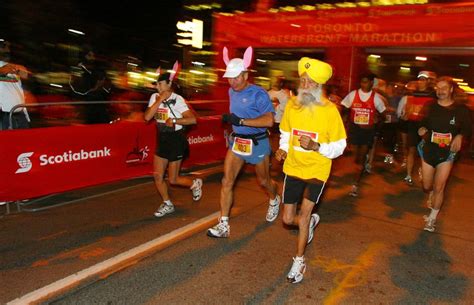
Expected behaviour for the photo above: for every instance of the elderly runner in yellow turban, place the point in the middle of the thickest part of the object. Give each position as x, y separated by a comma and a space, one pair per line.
311, 135
317, 70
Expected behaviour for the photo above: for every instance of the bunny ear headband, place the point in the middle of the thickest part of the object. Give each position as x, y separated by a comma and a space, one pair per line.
175, 72
169, 75
247, 56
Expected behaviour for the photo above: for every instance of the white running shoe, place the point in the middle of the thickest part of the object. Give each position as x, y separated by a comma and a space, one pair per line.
430, 224
354, 191
273, 209
196, 188
297, 270
312, 225
164, 209
221, 230
408, 180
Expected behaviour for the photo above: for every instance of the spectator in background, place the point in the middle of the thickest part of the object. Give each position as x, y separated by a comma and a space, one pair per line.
89, 83
11, 91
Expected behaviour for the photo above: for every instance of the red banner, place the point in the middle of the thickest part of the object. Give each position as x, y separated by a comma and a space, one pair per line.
37, 162
407, 25
207, 142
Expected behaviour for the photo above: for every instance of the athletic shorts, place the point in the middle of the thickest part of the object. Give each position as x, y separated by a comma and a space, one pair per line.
434, 155
361, 136
403, 126
412, 133
172, 146
259, 151
294, 189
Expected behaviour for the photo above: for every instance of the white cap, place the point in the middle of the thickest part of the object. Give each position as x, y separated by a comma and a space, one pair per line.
426, 74
237, 65
234, 68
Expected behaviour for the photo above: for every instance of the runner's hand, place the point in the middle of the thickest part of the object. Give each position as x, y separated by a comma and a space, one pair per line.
308, 144
456, 144
280, 154
231, 118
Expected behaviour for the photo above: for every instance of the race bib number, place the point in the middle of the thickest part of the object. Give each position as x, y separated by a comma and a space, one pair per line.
361, 117
242, 146
296, 136
439, 138
162, 115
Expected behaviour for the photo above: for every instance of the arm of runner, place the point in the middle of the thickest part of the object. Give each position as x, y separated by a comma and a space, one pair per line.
265, 120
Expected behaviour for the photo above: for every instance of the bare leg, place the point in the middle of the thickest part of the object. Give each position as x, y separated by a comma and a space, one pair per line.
159, 167
174, 178
262, 171
301, 220
232, 167
441, 177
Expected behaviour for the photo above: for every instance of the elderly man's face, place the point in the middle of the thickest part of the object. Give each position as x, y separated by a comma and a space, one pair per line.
307, 83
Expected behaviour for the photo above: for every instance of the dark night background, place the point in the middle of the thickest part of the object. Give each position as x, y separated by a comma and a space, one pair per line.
40, 39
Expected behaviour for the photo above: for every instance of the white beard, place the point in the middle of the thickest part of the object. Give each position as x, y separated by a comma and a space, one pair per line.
307, 97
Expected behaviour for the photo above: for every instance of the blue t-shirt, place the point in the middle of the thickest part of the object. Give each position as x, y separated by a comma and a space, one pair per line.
250, 103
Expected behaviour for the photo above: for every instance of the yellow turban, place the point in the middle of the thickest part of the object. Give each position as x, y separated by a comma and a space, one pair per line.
317, 70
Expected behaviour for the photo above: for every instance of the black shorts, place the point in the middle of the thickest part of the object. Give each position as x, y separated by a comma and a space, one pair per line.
294, 188
412, 133
361, 136
403, 126
172, 146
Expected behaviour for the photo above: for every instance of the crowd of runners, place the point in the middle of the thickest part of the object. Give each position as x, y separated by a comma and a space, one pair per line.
428, 122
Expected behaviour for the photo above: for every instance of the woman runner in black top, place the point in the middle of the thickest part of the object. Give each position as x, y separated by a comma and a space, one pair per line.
445, 125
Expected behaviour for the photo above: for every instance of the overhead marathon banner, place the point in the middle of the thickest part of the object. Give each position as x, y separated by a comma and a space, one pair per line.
407, 25
42, 161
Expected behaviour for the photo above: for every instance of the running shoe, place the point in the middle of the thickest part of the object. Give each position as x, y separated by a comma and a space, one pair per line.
196, 188
354, 191
430, 224
221, 230
164, 209
312, 225
273, 209
297, 270
408, 180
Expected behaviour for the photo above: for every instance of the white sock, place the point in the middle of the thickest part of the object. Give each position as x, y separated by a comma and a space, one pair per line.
299, 258
224, 219
168, 202
433, 214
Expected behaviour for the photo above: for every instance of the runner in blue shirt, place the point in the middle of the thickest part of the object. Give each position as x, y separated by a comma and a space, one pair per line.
251, 114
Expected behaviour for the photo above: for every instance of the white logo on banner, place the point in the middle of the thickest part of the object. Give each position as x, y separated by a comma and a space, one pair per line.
24, 162
199, 139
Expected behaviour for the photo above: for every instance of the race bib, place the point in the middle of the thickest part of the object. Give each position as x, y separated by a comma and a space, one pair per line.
442, 139
162, 115
361, 117
296, 136
242, 146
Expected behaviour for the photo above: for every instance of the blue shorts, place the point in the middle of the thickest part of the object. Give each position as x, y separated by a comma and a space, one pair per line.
259, 151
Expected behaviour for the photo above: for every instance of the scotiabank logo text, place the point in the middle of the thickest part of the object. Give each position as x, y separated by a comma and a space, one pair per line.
199, 139
71, 156
25, 164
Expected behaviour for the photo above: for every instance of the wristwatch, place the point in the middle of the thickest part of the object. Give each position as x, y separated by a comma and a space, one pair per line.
174, 120
241, 122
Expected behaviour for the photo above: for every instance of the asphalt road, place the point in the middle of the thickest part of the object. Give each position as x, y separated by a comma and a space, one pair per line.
366, 250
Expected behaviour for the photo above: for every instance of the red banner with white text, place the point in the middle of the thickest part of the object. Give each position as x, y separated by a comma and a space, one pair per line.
37, 162
406, 25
